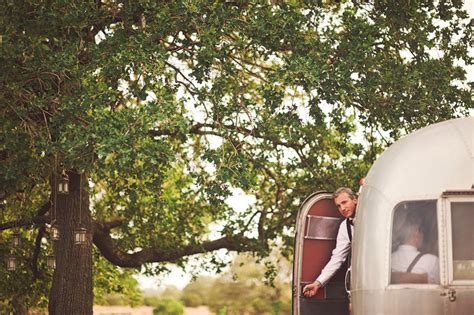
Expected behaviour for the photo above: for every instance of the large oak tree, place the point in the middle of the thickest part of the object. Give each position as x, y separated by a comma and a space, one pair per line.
159, 111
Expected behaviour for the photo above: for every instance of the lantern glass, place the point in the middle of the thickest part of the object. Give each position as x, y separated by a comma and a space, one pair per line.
80, 236
63, 185
54, 233
51, 261
15, 239
11, 263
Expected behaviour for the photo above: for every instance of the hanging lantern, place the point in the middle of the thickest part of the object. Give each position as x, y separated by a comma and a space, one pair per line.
16, 240
80, 236
63, 183
12, 263
51, 261
54, 231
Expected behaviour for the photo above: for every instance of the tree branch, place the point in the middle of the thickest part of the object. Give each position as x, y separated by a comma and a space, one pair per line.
197, 129
106, 245
38, 219
190, 87
23, 222
36, 253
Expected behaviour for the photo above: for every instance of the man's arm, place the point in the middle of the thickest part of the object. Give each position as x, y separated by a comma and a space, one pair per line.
339, 255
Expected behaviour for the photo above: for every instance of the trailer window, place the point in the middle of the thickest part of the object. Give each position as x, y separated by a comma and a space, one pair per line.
414, 257
322, 228
462, 220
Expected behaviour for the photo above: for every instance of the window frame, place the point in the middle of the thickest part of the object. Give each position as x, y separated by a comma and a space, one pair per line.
438, 214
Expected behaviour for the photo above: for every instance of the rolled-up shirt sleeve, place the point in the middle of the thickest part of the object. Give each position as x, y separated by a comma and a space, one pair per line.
339, 254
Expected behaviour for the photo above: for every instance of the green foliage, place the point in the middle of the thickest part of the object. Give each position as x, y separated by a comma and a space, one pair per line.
169, 307
244, 289
151, 301
17, 286
153, 298
171, 292
113, 285
196, 293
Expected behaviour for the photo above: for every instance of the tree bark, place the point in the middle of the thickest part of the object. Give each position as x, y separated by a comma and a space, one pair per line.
19, 305
71, 291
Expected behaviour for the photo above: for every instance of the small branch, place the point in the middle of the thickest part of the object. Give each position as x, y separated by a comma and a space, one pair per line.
44, 209
261, 224
181, 73
249, 221
251, 63
36, 253
250, 72
23, 222
40, 218
196, 129
111, 224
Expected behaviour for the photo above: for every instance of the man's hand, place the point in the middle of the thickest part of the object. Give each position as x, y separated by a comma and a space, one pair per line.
311, 289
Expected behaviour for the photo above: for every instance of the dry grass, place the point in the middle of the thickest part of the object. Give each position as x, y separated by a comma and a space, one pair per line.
145, 310
201, 310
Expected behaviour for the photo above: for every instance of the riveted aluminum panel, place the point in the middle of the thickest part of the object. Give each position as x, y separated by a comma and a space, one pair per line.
433, 163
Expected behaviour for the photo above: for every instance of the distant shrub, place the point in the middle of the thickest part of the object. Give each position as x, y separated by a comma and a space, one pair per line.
280, 307
192, 300
153, 301
115, 299
169, 307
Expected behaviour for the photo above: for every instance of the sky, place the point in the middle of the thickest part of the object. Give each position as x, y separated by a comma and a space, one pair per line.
178, 278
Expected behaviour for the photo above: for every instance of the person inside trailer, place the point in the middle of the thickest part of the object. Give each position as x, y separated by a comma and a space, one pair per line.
346, 202
410, 262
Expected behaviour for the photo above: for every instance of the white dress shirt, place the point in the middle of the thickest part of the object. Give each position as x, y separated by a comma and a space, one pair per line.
339, 254
428, 263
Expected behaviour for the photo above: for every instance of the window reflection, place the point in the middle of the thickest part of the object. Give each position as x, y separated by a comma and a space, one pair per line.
462, 220
414, 257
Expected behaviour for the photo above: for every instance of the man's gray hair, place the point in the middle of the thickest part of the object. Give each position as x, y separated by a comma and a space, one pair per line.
406, 222
346, 190
414, 222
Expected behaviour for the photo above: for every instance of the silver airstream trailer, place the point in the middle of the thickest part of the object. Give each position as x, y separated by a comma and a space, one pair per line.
417, 202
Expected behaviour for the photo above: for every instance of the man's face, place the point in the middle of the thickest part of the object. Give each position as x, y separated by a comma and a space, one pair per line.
418, 238
345, 204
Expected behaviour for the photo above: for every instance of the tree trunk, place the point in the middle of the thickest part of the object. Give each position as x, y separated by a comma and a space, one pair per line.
19, 305
71, 291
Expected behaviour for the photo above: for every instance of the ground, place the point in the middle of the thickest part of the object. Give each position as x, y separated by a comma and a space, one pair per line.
201, 310
144, 310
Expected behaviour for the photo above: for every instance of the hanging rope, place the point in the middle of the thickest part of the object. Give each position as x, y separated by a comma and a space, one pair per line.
55, 191
80, 200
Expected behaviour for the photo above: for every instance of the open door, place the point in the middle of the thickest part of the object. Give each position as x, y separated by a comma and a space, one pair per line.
316, 231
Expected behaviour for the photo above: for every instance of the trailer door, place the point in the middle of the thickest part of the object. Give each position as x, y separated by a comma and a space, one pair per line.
316, 231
